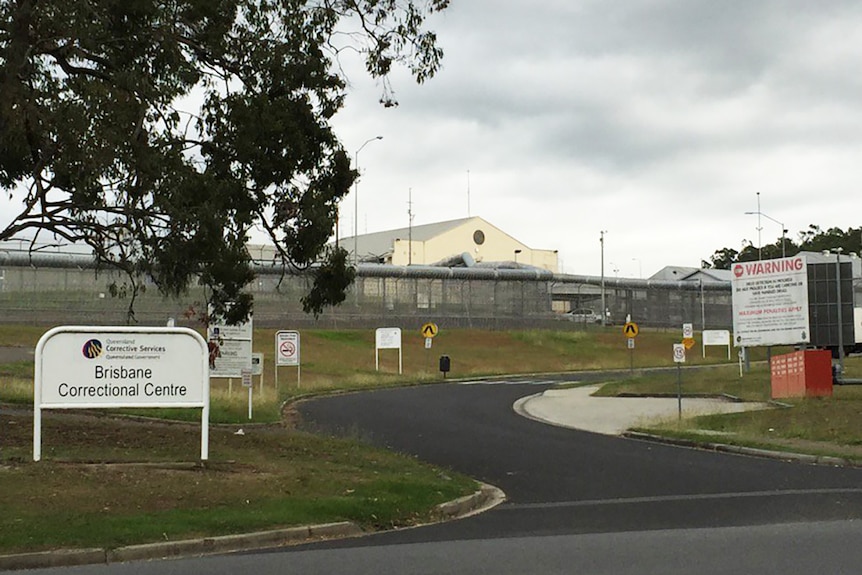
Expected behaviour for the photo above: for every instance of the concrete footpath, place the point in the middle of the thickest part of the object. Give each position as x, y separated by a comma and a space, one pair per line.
576, 408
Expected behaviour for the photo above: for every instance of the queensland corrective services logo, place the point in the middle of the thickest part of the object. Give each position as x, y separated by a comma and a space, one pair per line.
92, 349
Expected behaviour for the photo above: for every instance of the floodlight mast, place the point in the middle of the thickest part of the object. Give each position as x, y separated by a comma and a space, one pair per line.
356, 201
760, 214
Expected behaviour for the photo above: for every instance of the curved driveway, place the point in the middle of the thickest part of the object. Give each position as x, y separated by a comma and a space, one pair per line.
564, 481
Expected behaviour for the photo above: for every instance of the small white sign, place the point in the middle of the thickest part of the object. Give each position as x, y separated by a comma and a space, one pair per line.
716, 337
257, 363
687, 331
287, 348
234, 355
678, 353
388, 338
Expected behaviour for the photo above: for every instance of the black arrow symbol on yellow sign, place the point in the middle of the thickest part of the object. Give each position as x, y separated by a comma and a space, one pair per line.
429, 330
630, 330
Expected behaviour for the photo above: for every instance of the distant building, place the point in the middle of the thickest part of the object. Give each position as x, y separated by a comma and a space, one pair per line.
445, 243
681, 273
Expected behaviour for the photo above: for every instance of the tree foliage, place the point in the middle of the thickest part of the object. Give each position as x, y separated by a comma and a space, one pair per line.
160, 132
813, 239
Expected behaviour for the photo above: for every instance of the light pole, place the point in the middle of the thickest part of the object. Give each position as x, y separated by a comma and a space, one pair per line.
602, 243
760, 214
516, 255
837, 252
356, 201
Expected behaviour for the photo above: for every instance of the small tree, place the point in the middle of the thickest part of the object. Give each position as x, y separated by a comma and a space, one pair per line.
159, 132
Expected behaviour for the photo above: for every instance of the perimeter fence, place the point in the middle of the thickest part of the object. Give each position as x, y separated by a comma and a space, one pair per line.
62, 288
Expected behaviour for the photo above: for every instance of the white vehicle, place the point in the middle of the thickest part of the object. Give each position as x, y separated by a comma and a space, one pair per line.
583, 315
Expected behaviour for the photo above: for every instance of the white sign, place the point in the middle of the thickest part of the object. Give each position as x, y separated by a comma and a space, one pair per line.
716, 337
257, 364
287, 348
110, 367
234, 343
388, 338
687, 331
770, 302
678, 353
234, 355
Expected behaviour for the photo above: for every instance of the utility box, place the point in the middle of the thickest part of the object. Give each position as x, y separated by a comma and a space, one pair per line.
445, 364
806, 373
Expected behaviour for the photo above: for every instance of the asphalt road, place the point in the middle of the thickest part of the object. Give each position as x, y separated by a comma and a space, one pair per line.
561, 481
577, 502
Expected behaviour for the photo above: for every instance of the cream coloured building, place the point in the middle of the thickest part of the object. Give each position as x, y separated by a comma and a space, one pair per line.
443, 242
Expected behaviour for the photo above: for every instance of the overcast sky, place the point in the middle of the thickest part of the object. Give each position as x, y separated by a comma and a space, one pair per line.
657, 121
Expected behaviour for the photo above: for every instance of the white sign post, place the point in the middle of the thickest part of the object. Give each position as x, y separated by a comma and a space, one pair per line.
257, 367
287, 353
770, 302
387, 338
679, 359
246, 382
88, 367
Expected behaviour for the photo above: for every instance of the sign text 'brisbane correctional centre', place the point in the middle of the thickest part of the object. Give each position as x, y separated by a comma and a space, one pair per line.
109, 367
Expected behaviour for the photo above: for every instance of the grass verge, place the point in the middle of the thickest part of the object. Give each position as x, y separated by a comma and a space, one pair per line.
93, 489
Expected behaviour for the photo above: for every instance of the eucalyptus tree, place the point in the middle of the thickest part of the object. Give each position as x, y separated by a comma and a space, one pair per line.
160, 132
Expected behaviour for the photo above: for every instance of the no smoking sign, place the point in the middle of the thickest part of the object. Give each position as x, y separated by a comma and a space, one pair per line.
287, 348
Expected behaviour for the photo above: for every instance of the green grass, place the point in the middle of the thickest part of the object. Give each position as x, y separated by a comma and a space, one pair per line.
274, 476
816, 425
267, 478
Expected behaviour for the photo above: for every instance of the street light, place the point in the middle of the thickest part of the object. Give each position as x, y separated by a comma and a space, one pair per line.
516, 255
760, 214
602, 242
356, 201
837, 252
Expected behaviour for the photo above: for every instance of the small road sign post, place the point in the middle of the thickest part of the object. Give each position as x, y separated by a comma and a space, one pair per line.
630, 330
679, 359
428, 331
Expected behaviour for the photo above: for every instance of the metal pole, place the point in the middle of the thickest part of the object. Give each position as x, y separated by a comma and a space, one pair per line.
679, 390
840, 318
356, 202
602, 243
759, 227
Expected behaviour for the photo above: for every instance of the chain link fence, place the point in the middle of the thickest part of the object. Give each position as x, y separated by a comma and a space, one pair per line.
54, 289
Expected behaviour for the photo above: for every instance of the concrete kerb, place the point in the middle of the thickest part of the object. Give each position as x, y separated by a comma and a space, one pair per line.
749, 451
483, 499
486, 498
